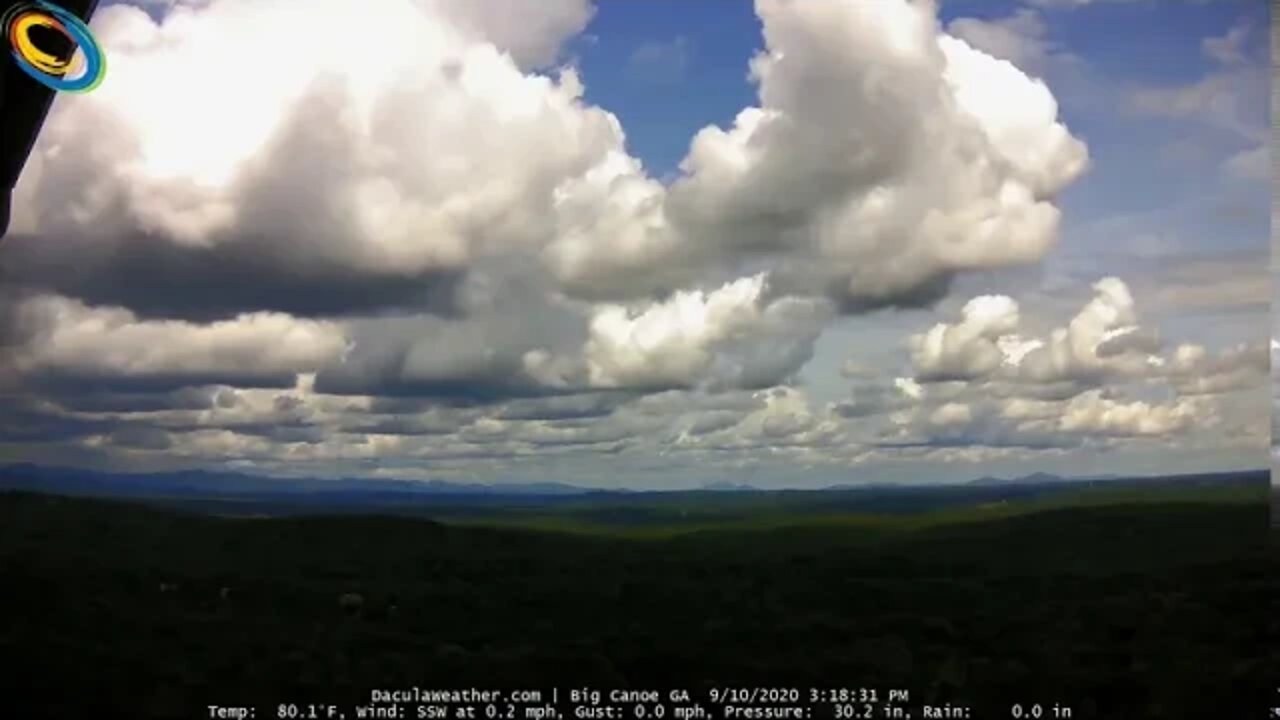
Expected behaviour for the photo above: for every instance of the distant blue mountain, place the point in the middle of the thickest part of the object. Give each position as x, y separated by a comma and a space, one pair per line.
207, 483
986, 481
726, 486
1032, 479
237, 492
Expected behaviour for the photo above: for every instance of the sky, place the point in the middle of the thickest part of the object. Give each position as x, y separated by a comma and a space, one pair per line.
794, 243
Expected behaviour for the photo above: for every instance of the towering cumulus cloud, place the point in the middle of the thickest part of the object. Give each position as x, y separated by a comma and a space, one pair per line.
418, 198
906, 155
256, 157
382, 166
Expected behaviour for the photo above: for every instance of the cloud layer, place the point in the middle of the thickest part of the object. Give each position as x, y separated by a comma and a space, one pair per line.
985, 380
430, 253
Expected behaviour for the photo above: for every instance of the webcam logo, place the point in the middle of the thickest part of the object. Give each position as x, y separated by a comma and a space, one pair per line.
79, 72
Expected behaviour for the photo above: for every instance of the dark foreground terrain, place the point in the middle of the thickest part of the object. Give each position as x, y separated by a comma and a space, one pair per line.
1158, 609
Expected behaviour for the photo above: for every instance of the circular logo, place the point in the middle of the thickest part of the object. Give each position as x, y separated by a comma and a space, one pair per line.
79, 72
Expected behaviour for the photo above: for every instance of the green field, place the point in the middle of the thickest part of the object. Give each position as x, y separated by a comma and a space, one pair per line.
1122, 606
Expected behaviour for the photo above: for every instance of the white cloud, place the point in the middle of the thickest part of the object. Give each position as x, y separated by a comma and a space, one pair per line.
907, 156
461, 265
970, 348
1103, 379
1073, 352
1195, 371
783, 421
870, 398
1104, 342
951, 414
67, 337
1091, 412
531, 30
988, 342
730, 335
416, 148
1093, 418
909, 387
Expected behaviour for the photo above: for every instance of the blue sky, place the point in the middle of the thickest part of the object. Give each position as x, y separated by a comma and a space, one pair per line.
479, 234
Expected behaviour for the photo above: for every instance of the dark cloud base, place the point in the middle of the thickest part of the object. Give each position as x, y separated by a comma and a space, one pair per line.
156, 279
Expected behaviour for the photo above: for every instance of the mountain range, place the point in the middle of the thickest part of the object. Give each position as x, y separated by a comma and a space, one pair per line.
204, 483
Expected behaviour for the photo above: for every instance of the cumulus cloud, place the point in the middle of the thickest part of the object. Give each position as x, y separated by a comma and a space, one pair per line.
967, 349
532, 31
951, 414
1196, 371
900, 165
514, 342
1092, 343
782, 420
66, 339
441, 255
511, 339
869, 398
1092, 412
1144, 342
426, 152
733, 335
566, 407
1103, 338
1094, 418
1104, 342
1104, 377
709, 422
